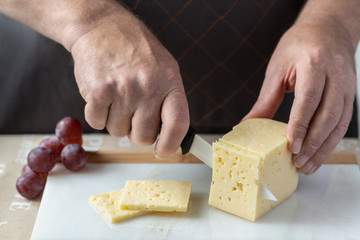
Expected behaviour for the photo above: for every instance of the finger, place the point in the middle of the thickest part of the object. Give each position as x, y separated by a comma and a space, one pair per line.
98, 100
324, 121
309, 86
270, 97
330, 143
175, 123
145, 124
96, 114
119, 119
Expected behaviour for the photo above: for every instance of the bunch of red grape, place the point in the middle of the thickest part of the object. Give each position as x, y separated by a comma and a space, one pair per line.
65, 148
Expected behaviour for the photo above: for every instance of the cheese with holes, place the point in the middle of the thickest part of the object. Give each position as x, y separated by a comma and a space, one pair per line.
108, 205
156, 195
254, 152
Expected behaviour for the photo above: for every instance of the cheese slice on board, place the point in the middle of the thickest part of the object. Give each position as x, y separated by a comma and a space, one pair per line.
254, 152
108, 205
156, 195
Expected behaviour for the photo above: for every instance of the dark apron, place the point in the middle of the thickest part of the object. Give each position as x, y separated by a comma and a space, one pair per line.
223, 48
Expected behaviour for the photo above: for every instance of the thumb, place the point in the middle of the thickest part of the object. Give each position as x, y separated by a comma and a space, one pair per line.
270, 97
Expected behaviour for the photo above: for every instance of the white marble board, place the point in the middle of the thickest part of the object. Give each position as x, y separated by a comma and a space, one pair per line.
326, 205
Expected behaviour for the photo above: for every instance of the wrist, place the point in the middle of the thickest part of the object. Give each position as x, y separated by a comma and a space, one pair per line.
87, 16
331, 28
334, 16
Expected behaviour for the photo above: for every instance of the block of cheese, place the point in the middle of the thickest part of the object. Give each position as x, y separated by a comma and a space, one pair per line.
108, 205
254, 152
156, 195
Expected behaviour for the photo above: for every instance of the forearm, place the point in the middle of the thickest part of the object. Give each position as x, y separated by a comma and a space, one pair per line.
63, 21
346, 13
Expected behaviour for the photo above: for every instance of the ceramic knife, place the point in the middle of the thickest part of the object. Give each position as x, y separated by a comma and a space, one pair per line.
201, 149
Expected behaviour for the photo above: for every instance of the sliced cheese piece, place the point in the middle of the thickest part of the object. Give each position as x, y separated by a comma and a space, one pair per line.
156, 195
254, 152
108, 205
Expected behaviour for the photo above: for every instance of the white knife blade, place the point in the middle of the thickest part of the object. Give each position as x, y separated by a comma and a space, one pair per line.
201, 149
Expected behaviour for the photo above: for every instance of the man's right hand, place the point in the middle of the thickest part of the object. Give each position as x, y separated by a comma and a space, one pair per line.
130, 83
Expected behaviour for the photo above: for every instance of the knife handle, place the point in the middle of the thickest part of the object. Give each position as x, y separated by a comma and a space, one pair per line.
187, 141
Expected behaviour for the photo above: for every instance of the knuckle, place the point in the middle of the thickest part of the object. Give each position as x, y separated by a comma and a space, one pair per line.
149, 80
117, 132
149, 89
318, 160
94, 123
318, 55
147, 84
310, 97
307, 167
300, 126
172, 72
260, 102
84, 93
321, 155
332, 117
312, 146
348, 105
180, 124
342, 128
125, 87
165, 150
128, 88
100, 93
144, 139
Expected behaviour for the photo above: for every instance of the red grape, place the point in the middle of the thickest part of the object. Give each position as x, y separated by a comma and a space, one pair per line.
41, 160
26, 169
69, 130
30, 185
74, 157
53, 144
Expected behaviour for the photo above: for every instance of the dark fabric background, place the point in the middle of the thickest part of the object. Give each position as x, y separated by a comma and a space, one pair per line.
222, 47
37, 84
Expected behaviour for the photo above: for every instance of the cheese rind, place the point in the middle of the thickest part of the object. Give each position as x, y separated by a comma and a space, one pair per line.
108, 205
254, 151
156, 195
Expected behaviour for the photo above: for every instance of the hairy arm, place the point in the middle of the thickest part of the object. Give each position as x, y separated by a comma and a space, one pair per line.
331, 12
62, 21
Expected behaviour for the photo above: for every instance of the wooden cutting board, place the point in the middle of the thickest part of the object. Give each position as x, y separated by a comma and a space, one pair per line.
147, 156
106, 149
